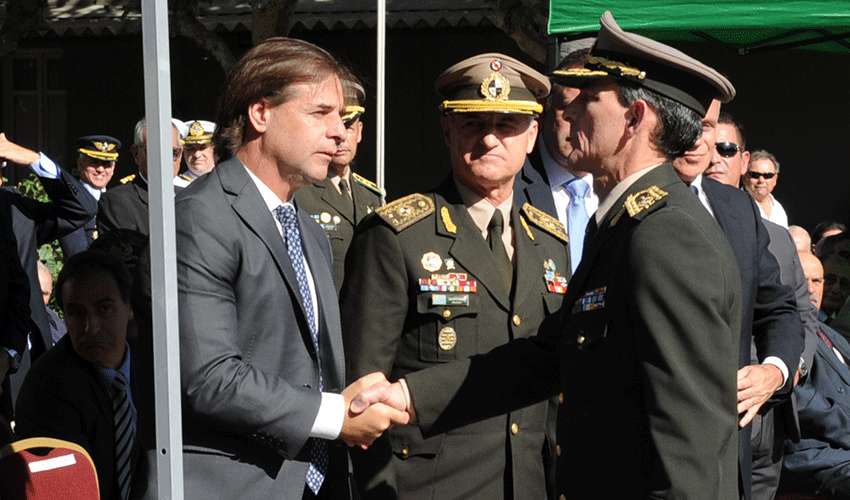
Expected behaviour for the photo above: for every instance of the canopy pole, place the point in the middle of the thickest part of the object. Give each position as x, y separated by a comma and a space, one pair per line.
168, 464
381, 103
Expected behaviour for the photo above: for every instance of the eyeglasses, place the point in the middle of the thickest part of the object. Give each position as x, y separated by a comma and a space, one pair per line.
756, 175
727, 149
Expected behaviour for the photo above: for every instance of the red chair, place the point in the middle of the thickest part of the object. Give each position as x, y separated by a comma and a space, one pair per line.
47, 469
799, 496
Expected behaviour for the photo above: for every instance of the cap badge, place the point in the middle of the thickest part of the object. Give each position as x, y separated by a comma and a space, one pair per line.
496, 87
196, 130
496, 65
104, 146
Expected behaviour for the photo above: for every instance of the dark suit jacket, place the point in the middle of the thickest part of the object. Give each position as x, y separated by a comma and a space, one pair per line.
326, 206
125, 207
818, 464
531, 184
769, 308
79, 240
63, 397
396, 327
637, 365
249, 370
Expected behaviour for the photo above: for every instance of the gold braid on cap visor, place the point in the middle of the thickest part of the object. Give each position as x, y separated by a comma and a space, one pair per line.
99, 155
618, 67
352, 111
485, 106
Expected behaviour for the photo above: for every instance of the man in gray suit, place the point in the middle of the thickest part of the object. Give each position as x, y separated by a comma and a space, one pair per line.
260, 343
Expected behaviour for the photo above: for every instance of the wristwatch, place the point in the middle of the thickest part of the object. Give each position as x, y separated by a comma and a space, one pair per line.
14, 359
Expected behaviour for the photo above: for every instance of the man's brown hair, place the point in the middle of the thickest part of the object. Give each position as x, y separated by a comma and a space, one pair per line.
269, 71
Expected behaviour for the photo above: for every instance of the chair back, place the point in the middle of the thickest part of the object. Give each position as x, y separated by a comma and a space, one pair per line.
47, 469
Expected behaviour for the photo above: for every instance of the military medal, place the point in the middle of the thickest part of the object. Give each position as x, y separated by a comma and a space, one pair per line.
325, 217
447, 338
432, 262
451, 282
450, 264
554, 281
590, 300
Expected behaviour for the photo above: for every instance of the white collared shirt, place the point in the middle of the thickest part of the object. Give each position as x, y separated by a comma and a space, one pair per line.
558, 176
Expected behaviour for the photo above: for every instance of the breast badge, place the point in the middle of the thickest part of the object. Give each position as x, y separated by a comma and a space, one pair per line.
431, 262
590, 300
554, 281
447, 338
451, 282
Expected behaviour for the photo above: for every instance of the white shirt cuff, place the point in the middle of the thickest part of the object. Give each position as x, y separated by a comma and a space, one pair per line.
45, 167
775, 361
328, 423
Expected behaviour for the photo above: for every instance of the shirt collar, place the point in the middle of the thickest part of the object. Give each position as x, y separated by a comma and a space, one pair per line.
107, 375
480, 210
269, 198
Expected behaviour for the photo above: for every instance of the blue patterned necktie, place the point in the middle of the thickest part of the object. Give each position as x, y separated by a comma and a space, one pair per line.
285, 214
122, 414
577, 218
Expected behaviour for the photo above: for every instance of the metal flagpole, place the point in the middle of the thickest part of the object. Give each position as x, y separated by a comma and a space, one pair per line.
381, 108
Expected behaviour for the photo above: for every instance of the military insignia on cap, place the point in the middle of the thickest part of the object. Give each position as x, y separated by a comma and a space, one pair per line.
496, 87
104, 147
546, 222
431, 262
196, 130
496, 65
640, 201
447, 339
406, 211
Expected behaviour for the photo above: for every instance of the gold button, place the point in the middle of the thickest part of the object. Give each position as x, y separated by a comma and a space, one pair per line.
517, 320
514, 428
558, 450
447, 313
405, 451
562, 497
581, 339
561, 397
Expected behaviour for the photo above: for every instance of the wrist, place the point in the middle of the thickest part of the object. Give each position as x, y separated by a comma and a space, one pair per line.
14, 358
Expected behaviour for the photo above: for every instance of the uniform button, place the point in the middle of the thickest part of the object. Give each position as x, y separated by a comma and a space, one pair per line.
514, 428
405, 451
580, 339
562, 497
517, 320
558, 450
447, 313
561, 397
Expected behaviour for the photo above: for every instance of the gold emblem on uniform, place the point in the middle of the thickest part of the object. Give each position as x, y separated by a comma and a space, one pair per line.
431, 262
447, 220
337, 219
104, 147
447, 338
450, 264
640, 201
496, 87
325, 217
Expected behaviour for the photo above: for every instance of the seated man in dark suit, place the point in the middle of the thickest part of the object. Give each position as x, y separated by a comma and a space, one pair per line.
820, 462
86, 389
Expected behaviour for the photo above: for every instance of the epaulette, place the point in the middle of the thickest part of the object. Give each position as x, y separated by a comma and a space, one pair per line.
546, 222
406, 211
186, 177
127, 179
639, 202
371, 186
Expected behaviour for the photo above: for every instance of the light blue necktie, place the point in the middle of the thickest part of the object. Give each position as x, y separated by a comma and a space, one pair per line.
285, 214
577, 218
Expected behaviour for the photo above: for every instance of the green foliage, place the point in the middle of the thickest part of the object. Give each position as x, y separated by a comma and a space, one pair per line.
51, 253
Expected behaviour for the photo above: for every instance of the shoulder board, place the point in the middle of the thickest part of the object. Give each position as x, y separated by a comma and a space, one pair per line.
406, 211
127, 179
371, 186
186, 177
642, 200
545, 222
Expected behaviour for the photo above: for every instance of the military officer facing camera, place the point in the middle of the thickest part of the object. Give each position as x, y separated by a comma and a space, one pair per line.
344, 198
198, 151
455, 272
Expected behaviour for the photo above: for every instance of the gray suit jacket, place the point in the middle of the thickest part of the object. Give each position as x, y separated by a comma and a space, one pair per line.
249, 370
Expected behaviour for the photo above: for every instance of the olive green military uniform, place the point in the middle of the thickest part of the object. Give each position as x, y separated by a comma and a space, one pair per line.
422, 290
326, 205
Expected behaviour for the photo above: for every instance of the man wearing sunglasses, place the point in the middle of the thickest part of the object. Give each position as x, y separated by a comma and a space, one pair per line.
760, 181
771, 334
126, 207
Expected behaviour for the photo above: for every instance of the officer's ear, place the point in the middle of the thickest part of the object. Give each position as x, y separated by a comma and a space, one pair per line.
258, 114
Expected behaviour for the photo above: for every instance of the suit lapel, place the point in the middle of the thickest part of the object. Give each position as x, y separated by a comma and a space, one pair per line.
537, 188
529, 263
719, 201
251, 209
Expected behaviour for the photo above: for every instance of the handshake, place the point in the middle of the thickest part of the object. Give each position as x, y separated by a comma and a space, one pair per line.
373, 405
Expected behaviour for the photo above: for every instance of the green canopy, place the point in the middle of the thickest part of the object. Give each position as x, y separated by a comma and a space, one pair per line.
743, 26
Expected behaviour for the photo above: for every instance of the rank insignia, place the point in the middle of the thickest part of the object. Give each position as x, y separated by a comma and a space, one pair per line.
431, 262
451, 282
450, 264
406, 211
555, 283
640, 201
447, 339
590, 300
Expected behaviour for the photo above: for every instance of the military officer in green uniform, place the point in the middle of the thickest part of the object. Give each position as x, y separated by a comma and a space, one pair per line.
455, 272
344, 198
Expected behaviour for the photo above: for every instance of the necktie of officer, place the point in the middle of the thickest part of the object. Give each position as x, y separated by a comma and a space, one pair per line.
122, 413
577, 218
497, 246
347, 201
694, 189
285, 214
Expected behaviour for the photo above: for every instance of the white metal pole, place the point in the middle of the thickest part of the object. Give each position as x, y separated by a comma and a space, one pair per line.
382, 84
168, 465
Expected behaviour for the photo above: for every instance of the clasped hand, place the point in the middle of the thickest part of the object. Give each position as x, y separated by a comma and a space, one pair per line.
372, 407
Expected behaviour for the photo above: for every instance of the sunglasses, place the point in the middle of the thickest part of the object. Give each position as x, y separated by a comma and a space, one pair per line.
727, 149
756, 175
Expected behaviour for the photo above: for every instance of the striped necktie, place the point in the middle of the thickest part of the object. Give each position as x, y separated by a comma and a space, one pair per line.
122, 412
